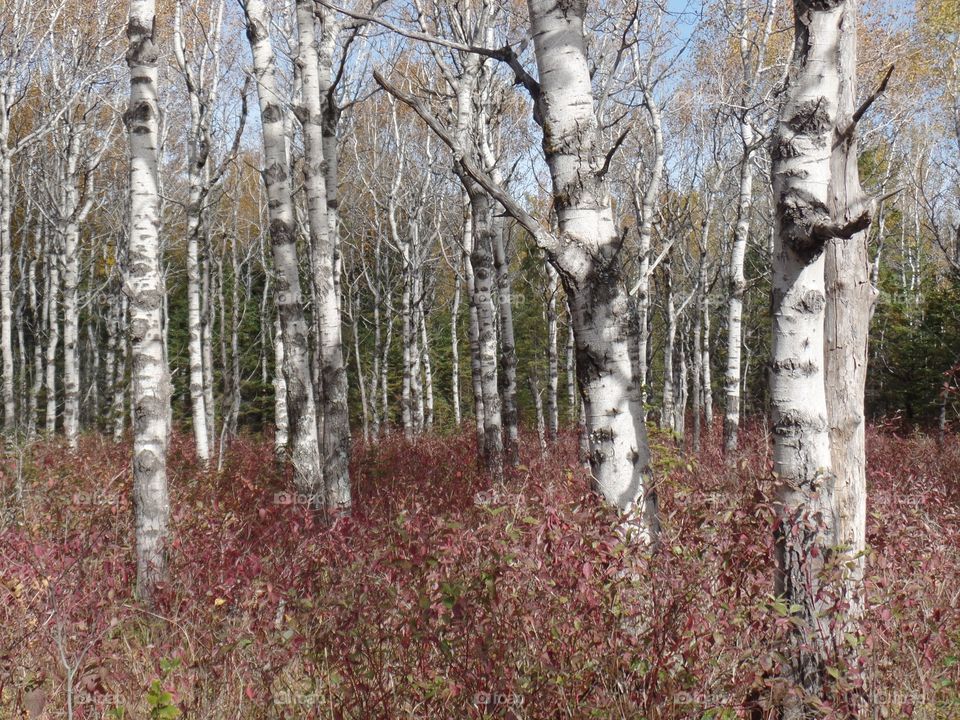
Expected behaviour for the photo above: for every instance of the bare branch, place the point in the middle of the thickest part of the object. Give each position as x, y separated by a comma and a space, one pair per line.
505, 54
544, 239
865, 106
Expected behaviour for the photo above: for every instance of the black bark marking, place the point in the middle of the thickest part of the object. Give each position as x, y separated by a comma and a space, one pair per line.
794, 367
811, 118
811, 302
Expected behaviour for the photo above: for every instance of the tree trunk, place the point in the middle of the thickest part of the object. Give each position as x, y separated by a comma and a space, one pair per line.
538, 406
206, 341
645, 211
279, 393
850, 300
573, 402
670, 333
6, 289
455, 352
469, 241
427, 375
407, 399
682, 394
807, 219
588, 261
508, 351
71, 215
334, 428
697, 391
484, 279
150, 378
195, 328
120, 379
553, 360
738, 284
197, 155
707, 379
301, 410
40, 320
53, 339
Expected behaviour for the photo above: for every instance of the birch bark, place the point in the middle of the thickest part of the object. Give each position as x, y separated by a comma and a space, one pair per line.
197, 155
738, 284
150, 378
807, 220
553, 360
334, 427
280, 438
587, 257
301, 409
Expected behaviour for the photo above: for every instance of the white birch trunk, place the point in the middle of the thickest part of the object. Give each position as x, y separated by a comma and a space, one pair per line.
427, 375
53, 340
6, 281
197, 153
71, 327
682, 393
645, 210
73, 213
361, 383
538, 406
697, 390
707, 378
508, 351
301, 410
280, 438
40, 309
553, 360
334, 428
738, 285
206, 343
407, 383
587, 258
93, 374
484, 280
455, 352
670, 336
150, 379
474, 325
118, 410
807, 219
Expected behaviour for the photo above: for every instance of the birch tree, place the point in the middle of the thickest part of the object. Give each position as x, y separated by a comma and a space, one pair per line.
301, 408
144, 287
334, 429
200, 73
850, 300
808, 220
585, 251
26, 25
752, 40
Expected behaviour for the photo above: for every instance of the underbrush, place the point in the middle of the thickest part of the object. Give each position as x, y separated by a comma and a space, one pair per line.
444, 597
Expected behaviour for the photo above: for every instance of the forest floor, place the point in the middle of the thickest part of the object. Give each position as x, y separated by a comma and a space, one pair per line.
441, 597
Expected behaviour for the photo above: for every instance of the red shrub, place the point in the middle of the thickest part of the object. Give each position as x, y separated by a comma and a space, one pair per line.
443, 597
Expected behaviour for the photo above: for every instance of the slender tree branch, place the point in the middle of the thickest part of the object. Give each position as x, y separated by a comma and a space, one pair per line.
505, 54
541, 236
865, 106
613, 151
